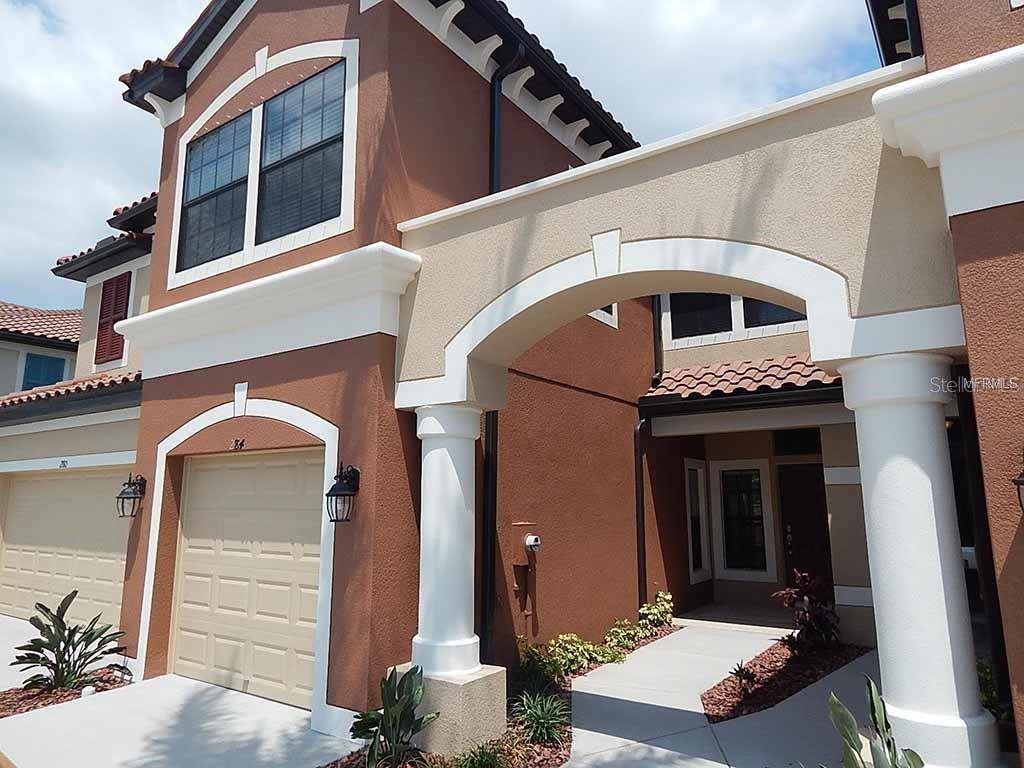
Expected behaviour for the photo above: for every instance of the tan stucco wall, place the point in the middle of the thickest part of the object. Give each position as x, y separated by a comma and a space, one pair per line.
8, 371
79, 441
817, 182
732, 351
90, 318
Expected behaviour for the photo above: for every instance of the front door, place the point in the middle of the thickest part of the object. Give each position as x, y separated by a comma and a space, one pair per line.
805, 523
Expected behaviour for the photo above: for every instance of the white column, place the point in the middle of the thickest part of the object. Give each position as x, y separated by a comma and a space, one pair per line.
446, 644
925, 646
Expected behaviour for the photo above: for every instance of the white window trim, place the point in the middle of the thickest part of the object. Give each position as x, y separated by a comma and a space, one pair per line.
608, 318
770, 574
134, 306
739, 331
701, 468
24, 350
251, 252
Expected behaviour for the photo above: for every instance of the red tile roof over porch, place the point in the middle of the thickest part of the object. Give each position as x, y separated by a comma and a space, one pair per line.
743, 377
65, 388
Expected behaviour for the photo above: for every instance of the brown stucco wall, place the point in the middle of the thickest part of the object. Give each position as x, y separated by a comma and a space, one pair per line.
375, 573
989, 248
566, 467
957, 30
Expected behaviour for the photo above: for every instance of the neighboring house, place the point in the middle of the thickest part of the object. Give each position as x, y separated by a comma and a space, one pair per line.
37, 346
329, 283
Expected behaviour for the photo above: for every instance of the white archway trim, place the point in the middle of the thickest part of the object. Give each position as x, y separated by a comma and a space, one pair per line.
251, 252
325, 718
834, 335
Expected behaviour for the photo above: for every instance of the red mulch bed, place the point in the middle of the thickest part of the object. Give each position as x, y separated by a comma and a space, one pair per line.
780, 674
524, 755
18, 701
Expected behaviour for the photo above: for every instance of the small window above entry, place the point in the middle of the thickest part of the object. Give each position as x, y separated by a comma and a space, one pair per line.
701, 319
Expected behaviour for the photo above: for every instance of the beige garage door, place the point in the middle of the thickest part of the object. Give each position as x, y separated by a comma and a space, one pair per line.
248, 570
61, 532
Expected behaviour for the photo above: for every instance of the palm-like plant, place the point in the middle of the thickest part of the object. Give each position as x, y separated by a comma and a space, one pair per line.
884, 751
389, 731
68, 655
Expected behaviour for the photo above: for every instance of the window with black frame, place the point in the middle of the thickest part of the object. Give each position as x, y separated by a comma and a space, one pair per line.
743, 520
301, 156
213, 214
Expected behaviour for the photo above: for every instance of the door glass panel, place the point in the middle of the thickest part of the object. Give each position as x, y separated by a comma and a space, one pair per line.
743, 520
696, 531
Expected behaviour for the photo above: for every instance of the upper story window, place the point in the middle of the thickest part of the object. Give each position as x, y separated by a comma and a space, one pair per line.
698, 319
301, 158
277, 178
114, 307
42, 370
216, 181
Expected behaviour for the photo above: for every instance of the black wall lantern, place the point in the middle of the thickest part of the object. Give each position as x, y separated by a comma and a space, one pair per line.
341, 499
129, 500
1019, 482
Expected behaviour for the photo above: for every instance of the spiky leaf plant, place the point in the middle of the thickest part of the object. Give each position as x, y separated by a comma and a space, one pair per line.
884, 751
389, 731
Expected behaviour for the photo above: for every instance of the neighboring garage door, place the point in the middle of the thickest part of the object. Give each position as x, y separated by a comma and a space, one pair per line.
248, 570
61, 532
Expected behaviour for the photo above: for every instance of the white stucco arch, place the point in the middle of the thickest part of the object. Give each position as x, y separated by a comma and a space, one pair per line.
477, 356
325, 718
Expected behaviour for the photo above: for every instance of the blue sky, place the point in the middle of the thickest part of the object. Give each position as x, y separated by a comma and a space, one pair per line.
72, 150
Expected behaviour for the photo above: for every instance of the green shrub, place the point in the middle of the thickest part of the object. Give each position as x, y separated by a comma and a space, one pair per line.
1002, 711
535, 671
389, 731
624, 636
68, 655
884, 752
653, 617
489, 755
543, 717
572, 654
745, 677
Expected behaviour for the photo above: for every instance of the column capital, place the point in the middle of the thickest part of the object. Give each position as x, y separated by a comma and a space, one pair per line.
461, 420
910, 377
967, 120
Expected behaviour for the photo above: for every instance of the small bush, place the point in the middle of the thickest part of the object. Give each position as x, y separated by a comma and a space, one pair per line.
653, 617
1002, 711
543, 717
389, 731
745, 677
67, 654
817, 625
624, 636
535, 671
572, 654
489, 755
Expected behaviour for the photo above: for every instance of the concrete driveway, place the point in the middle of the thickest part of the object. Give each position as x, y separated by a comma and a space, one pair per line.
647, 711
168, 722
13, 632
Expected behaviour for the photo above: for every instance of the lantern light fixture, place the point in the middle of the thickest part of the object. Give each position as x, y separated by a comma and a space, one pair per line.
129, 500
341, 499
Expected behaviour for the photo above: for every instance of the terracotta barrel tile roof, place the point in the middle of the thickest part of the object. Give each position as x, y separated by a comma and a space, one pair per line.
126, 208
743, 377
105, 243
63, 388
54, 324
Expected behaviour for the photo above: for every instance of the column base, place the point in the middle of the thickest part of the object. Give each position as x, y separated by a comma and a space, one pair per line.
948, 742
472, 709
445, 659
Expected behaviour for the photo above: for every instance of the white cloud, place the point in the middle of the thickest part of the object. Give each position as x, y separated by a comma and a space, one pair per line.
71, 149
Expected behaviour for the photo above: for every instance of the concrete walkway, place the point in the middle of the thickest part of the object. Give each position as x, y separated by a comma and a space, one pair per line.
647, 711
168, 722
13, 632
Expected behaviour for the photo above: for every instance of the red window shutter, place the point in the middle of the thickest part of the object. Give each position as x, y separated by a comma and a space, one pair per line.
113, 309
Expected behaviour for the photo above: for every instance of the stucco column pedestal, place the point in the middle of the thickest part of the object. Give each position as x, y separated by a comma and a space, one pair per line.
469, 697
925, 647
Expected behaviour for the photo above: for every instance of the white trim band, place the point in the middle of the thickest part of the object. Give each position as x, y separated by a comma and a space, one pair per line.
842, 475
84, 461
857, 597
71, 422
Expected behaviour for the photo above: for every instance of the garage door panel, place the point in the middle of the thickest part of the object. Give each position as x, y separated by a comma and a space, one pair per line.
248, 573
60, 533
